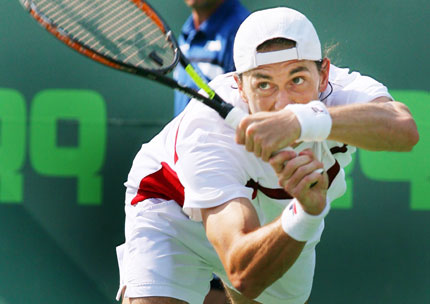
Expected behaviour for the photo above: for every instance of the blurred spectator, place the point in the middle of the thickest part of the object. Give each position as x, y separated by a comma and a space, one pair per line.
207, 41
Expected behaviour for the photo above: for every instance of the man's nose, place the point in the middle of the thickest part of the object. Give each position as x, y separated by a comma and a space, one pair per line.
283, 99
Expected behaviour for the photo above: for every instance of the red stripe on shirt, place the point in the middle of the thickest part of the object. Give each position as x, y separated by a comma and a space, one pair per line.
280, 193
165, 183
175, 155
342, 149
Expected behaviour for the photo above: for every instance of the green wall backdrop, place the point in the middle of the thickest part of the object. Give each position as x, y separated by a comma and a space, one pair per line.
69, 129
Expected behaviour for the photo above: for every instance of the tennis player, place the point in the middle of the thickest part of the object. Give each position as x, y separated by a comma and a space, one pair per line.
198, 203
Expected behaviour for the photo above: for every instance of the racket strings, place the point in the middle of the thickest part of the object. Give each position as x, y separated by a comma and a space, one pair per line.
118, 29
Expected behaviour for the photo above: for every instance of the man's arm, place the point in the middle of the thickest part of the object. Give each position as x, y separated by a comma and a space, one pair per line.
381, 124
255, 256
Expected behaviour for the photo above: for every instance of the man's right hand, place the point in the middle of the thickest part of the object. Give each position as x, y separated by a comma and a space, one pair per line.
265, 133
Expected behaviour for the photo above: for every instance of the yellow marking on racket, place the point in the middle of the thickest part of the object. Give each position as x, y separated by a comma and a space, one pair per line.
199, 81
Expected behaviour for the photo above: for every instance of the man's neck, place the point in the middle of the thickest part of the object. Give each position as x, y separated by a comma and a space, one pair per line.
201, 14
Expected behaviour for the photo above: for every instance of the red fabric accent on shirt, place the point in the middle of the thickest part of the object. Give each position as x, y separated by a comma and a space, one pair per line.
175, 155
280, 193
163, 183
342, 149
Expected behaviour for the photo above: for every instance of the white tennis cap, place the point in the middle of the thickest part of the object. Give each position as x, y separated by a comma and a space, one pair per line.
280, 22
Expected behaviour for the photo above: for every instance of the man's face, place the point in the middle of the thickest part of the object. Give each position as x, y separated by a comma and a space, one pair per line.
273, 86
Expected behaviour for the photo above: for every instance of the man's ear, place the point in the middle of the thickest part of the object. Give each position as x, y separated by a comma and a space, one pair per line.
324, 73
239, 83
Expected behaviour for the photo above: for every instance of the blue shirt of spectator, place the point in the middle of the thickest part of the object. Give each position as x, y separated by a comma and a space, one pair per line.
210, 47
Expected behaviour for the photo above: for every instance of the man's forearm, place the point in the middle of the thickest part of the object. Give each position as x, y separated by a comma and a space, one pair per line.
377, 126
253, 256
261, 258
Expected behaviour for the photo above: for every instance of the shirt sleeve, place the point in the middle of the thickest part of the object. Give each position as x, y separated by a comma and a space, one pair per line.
351, 87
210, 165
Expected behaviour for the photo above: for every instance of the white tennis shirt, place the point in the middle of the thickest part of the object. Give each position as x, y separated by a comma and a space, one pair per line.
195, 161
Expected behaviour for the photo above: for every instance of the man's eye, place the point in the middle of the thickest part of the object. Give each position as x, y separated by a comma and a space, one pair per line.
263, 85
298, 80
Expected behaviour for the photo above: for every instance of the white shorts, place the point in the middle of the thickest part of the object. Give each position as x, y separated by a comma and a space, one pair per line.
165, 253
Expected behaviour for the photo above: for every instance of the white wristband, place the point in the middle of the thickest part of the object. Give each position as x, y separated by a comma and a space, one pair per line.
314, 119
300, 225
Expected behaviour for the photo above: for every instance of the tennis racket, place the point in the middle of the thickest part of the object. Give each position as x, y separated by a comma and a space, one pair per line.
127, 35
